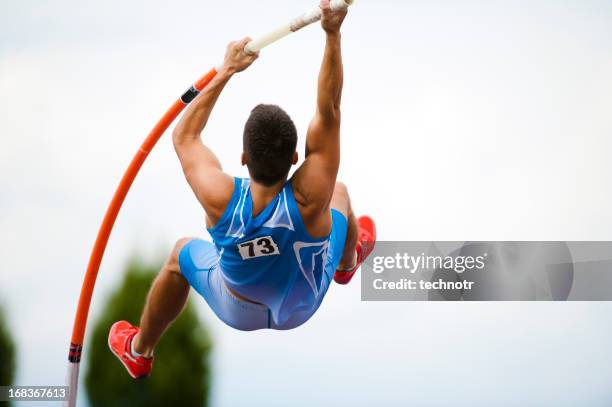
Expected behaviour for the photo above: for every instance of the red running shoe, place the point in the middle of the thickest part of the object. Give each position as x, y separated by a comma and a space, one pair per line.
120, 343
365, 244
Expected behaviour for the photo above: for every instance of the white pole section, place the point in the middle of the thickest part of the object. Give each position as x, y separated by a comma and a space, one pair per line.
73, 384
292, 26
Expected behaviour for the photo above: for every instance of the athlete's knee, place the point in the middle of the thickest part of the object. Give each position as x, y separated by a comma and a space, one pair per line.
341, 190
172, 264
341, 200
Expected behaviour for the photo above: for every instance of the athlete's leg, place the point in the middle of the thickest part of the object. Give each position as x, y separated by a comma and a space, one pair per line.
165, 301
199, 264
360, 236
341, 202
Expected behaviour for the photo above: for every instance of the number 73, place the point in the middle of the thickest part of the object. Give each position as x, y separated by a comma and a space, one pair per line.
262, 246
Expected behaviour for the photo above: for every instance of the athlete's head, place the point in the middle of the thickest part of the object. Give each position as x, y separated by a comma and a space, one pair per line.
270, 139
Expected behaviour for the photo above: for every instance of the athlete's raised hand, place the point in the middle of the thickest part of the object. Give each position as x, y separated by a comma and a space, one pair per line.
331, 20
236, 59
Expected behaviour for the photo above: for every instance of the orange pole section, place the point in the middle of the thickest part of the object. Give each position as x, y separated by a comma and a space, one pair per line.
97, 253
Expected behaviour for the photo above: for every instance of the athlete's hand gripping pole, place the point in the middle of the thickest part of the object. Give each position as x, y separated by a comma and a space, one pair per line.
80, 322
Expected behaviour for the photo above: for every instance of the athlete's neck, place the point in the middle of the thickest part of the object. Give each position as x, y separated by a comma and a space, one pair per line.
263, 195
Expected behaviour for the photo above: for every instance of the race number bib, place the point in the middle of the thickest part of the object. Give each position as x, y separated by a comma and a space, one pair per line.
262, 246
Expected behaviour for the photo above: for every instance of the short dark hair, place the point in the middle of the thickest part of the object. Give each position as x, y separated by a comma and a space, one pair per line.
270, 140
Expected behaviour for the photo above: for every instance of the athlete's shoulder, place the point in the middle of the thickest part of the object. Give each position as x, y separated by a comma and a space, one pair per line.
228, 198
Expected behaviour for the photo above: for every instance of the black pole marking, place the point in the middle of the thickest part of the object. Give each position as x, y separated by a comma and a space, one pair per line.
74, 355
189, 95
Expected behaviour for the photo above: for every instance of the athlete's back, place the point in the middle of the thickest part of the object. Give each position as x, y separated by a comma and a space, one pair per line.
270, 259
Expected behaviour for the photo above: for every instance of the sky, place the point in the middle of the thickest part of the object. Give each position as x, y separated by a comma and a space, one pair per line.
462, 120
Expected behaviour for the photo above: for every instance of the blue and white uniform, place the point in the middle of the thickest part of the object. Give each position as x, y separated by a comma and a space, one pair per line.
270, 259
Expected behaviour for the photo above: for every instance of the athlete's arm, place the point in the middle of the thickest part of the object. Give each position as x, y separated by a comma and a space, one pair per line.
315, 180
202, 169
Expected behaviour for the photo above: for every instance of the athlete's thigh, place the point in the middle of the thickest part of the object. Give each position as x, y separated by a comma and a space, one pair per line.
199, 264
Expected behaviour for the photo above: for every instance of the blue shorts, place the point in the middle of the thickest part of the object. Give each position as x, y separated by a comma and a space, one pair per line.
199, 263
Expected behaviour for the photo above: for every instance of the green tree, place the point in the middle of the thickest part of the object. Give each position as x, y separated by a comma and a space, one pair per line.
7, 353
181, 372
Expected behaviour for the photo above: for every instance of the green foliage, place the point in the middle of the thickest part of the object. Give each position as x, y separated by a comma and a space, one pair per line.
7, 353
181, 373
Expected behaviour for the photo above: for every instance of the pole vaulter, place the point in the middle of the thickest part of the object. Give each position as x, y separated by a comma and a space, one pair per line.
80, 322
